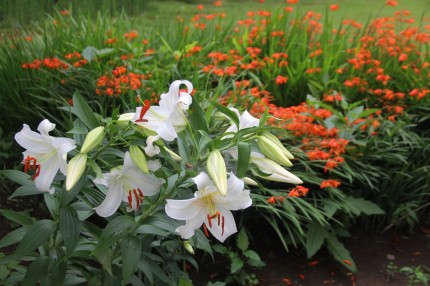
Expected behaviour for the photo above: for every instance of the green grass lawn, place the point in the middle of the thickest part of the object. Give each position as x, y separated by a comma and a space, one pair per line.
21, 12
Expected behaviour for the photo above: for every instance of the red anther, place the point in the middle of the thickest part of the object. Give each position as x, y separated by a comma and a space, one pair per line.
145, 108
141, 194
129, 199
210, 220
27, 164
205, 230
218, 214
222, 226
137, 198
35, 175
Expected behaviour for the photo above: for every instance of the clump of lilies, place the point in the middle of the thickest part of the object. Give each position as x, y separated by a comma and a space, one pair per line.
150, 166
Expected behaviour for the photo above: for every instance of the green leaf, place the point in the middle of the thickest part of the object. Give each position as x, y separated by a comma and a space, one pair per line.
364, 206
354, 113
253, 258
340, 253
58, 265
89, 53
185, 282
70, 228
36, 235
203, 143
82, 110
315, 237
236, 264
18, 177
104, 52
14, 236
26, 190
244, 153
131, 250
36, 271
242, 240
230, 114
19, 218
197, 117
263, 118
111, 235
52, 203
368, 112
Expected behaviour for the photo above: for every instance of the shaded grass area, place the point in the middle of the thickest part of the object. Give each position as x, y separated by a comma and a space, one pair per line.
26, 12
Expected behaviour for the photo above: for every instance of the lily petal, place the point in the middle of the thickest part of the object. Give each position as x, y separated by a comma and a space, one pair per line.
45, 127
182, 209
47, 173
226, 227
111, 202
202, 181
186, 231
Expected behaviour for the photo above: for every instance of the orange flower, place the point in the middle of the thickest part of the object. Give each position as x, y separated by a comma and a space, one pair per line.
65, 12
298, 191
334, 7
292, 1
403, 57
217, 3
391, 3
131, 35
330, 183
281, 79
200, 7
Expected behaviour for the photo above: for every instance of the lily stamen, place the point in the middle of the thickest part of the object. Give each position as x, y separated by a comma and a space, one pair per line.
222, 226
35, 175
210, 220
205, 230
145, 108
30, 163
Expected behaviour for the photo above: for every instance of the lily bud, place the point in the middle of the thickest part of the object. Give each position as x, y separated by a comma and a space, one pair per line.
93, 139
278, 143
188, 247
125, 118
249, 181
217, 171
175, 156
138, 157
273, 149
272, 171
75, 169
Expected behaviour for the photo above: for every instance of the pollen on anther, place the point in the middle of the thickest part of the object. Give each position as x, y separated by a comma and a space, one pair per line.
145, 108
205, 230
210, 220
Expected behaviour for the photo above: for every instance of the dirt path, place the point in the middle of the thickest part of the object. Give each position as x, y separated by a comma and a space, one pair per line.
372, 254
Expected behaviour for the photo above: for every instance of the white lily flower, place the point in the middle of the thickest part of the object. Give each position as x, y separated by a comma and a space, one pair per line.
151, 149
246, 120
210, 208
45, 154
274, 171
168, 118
126, 183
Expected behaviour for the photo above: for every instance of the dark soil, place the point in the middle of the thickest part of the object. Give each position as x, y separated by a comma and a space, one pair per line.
372, 254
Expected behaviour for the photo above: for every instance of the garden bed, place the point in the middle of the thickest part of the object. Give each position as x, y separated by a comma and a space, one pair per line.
373, 253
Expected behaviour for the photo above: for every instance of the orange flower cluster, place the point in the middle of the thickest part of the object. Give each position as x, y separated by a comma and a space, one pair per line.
74, 59
119, 82
330, 183
298, 191
50, 63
